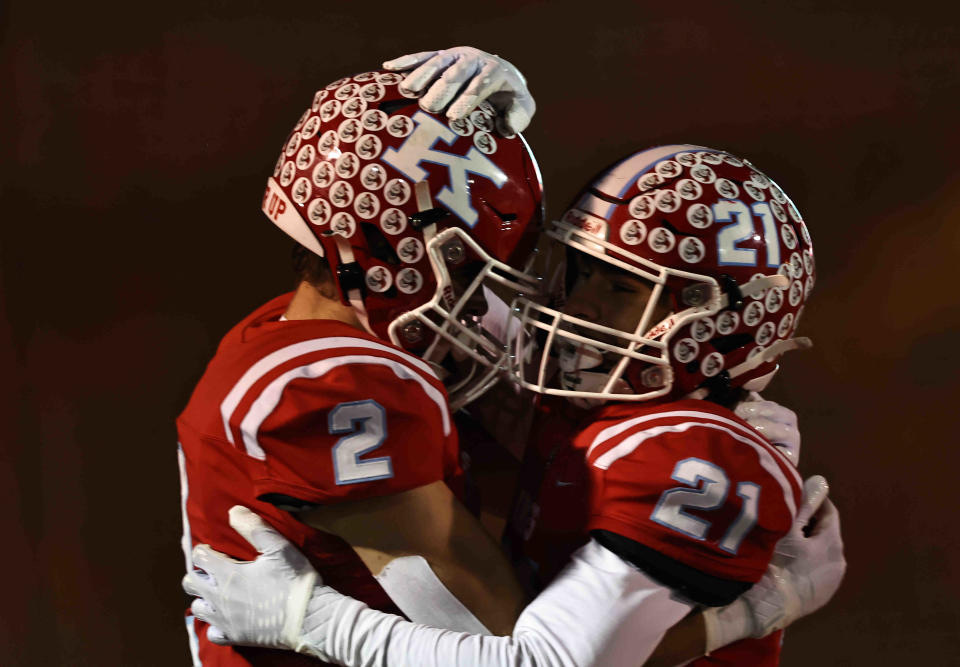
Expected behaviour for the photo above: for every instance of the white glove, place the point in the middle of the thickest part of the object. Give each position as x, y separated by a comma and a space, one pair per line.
477, 76
803, 575
776, 422
262, 602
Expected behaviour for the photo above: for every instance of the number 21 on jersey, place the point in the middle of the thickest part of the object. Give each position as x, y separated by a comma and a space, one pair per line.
710, 496
364, 425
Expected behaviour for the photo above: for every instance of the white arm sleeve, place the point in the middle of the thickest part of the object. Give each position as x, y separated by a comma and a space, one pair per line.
599, 611
421, 596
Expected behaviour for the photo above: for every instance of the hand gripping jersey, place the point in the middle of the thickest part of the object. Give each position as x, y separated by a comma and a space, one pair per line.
293, 413
686, 490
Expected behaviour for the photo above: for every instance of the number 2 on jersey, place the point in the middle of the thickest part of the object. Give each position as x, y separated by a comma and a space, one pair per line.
365, 426
711, 496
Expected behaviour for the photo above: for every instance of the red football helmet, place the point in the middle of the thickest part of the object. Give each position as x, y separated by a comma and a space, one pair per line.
720, 245
419, 217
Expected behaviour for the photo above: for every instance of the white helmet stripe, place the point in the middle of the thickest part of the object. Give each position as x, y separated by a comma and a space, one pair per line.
617, 181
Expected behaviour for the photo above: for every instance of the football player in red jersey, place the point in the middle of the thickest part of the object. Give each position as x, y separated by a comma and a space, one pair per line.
327, 410
689, 271
656, 320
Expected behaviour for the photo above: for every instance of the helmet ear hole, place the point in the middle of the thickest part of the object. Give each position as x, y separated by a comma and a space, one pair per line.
377, 244
727, 344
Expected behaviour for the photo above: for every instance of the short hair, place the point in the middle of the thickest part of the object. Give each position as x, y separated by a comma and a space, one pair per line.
309, 266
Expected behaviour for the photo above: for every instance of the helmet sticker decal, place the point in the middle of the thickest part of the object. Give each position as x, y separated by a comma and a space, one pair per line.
642, 207
341, 194
784, 327
367, 205
703, 174
753, 313
329, 110
711, 364
318, 97
353, 107
305, 157
633, 232
795, 293
667, 201
301, 190
774, 300
648, 181
393, 221
668, 169
765, 333
319, 211
755, 193
727, 322
410, 250
369, 146
462, 126
373, 92
286, 174
373, 176
700, 216
689, 189
409, 280
343, 224
323, 174
702, 329
310, 127
346, 90
347, 165
389, 78
328, 143
349, 130
373, 120
378, 279
726, 188
789, 236
685, 349
692, 249
481, 121
293, 143
397, 191
399, 126
485, 142
661, 240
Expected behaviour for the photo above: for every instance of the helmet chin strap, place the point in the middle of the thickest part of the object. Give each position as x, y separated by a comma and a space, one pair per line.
772, 353
354, 296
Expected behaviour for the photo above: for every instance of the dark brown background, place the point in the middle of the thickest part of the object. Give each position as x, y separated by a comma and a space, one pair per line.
135, 143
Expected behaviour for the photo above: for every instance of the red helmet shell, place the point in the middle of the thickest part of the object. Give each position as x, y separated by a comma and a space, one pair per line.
707, 214
349, 168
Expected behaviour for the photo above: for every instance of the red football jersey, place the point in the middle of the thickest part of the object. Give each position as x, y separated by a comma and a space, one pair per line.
314, 411
688, 479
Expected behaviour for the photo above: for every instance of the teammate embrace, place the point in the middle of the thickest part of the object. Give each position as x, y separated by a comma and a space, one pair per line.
660, 516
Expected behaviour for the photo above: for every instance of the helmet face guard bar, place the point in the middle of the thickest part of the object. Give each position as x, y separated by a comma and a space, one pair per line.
647, 344
458, 333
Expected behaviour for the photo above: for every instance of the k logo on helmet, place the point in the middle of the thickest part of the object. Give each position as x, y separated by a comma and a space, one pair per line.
420, 146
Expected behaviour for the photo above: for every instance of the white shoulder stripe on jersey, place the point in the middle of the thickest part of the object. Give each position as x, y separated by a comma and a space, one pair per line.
268, 399
630, 443
617, 429
285, 354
